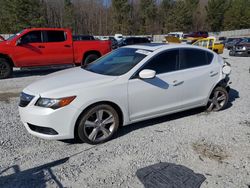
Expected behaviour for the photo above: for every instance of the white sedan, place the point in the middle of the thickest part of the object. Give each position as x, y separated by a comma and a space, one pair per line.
130, 84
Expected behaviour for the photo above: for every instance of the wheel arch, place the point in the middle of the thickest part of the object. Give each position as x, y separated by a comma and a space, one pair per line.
221, 83
112, 104
8, 59
85, 55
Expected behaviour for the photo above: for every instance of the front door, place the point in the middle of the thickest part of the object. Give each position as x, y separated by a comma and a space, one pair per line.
29, 51
162, 94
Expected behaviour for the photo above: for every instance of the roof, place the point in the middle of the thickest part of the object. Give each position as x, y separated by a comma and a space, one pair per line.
148, 46
156, 46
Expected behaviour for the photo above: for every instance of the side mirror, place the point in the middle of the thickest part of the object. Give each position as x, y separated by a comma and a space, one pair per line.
18, 42
147, 74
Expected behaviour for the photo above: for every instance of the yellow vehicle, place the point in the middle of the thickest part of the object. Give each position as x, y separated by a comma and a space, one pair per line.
210, 43
172, 39
191, 40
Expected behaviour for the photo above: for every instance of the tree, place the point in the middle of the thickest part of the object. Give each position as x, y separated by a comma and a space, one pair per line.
68, 16
20, 14
121, 16
147, 13
215, 13
238, 15
166, 15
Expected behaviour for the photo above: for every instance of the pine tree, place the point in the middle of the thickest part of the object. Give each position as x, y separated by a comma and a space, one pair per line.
68, 16
238, 15
121, 16
148, 14
215, 13
20, 14
166, 15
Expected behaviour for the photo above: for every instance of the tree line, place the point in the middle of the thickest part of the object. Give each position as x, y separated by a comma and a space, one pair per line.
130, 17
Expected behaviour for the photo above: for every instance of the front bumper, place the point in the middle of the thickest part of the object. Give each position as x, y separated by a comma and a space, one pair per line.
239, 53
47, 123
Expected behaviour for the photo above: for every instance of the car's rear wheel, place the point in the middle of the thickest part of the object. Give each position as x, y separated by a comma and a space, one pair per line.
98, 124
90, 58
218, 99
5, 68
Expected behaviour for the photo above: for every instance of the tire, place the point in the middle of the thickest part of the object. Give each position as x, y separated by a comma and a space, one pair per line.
231, 53
218, 99
92, 128
5, 68
90, 58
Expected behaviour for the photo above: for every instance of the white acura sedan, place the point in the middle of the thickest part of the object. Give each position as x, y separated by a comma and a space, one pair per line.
128, 85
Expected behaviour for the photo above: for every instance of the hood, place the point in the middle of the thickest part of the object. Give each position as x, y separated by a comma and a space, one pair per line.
2, 43
67, 80
247, 44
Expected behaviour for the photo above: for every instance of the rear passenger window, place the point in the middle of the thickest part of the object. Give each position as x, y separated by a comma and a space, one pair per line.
164, 62
56, 36
190, 58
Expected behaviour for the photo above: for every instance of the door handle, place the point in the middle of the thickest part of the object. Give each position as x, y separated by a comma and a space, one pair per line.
67, 46
177, 83
41, 46
212, 73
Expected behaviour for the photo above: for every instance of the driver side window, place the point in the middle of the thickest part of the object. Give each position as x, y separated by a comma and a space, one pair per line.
32, 37
164, 62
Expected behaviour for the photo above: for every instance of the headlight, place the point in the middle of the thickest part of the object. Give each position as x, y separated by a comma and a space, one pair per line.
54, 103
244, 48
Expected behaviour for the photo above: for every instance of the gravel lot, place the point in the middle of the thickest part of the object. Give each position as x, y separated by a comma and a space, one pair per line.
214, 145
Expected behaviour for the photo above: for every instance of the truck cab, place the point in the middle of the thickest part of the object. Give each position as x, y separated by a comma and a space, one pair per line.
39, 47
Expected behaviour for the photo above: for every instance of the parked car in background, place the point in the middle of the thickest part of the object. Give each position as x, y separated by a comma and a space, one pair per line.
128, 85
203, 34
210, 43
222, 39
114, 42
83, 37
39, 47
118, 37
194, 36
241, 49
1, 38
228, 40
178, 35
172, 39
229, 45
133, 40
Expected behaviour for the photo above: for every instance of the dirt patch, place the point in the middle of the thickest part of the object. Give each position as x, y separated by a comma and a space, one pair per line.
210, 150
245, 123
5, 97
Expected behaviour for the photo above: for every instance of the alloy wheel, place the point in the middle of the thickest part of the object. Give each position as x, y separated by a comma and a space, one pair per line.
99, 125
217, 101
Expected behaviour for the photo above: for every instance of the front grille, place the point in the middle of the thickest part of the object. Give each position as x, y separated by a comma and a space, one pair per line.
25, 99
43, 130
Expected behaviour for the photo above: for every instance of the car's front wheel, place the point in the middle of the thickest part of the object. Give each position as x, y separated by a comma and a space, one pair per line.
98, 124
5, 68
218, 99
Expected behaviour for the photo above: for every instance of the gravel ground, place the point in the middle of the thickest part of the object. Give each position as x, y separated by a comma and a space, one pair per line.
214, 145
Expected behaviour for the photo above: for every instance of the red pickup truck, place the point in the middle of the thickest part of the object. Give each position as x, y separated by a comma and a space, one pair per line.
39, 47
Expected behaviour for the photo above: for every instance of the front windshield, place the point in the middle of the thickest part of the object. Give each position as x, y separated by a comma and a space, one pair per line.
117, 62
13, 36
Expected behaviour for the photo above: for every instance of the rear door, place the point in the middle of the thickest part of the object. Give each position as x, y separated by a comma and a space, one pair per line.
57, 47
200, 74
